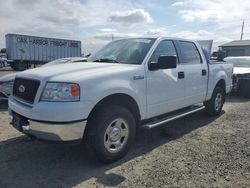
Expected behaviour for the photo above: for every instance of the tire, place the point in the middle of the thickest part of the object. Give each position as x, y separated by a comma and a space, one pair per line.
13, 65
215, 104
110, 133
245, 88
20, 66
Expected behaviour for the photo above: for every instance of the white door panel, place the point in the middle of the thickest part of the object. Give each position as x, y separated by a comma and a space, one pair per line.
165, 91
195, 84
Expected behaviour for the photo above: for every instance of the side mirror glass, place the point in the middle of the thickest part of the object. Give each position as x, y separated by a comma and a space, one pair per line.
164, 62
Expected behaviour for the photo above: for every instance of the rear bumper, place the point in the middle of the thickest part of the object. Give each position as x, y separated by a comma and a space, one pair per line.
63, 131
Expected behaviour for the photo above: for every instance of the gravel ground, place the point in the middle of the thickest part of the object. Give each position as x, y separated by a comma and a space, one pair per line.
195, 151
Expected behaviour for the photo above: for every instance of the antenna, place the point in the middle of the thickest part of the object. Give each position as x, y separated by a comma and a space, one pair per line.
242, 29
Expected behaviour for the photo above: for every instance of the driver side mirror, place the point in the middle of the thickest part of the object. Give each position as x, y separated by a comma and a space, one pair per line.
164, 62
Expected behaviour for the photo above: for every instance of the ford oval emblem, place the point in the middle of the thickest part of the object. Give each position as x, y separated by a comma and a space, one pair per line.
21, 88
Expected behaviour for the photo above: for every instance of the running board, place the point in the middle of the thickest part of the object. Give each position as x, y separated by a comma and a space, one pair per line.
173, 117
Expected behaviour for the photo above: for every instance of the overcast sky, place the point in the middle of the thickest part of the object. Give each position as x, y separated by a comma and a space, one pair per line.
95, 21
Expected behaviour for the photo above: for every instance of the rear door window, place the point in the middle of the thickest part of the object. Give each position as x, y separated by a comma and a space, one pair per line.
190, 53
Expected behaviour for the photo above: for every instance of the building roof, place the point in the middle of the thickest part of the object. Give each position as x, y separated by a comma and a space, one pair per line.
236, 43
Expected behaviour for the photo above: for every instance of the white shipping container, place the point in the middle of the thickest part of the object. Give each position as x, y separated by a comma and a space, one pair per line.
40, 49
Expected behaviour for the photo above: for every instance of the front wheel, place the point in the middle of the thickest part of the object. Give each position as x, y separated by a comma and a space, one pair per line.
110, 133
215, 104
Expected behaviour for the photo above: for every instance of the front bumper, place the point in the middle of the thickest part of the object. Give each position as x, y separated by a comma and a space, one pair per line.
63, 131
52, 111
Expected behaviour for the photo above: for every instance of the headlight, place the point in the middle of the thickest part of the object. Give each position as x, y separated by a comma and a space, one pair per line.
61, 92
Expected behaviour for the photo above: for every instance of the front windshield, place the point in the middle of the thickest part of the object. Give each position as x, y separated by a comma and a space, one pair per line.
239, 62
127, 51
57, 61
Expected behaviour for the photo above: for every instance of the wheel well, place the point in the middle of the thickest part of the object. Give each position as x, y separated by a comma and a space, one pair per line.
222, 84
121, 100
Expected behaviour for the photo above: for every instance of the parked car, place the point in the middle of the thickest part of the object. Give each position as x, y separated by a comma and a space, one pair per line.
7, 81
3, 56
2, 63
130, 83
3, 60
241, 74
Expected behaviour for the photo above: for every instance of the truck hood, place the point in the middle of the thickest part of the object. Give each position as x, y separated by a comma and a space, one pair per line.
8, 77
76, 71
241, 70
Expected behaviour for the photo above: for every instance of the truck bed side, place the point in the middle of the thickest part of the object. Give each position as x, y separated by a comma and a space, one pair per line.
219, 71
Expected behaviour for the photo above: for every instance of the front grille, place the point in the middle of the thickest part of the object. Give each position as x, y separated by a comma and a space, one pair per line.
25, 89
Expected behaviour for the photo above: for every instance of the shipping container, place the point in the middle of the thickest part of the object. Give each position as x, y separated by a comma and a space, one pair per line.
23, 50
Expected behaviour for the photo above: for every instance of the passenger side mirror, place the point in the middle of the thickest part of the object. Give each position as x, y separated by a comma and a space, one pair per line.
89, 54
164, 62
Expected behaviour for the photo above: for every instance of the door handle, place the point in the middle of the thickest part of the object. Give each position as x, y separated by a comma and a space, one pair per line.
181, 75
138, 77
204, 72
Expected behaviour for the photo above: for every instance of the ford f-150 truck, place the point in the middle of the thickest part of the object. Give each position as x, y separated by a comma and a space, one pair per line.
130, 83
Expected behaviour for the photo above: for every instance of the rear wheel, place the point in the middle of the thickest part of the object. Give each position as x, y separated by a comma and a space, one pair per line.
215, 104
20, 66
13, 65
110, 133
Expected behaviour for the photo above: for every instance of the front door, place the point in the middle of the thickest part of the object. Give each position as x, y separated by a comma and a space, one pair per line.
165, 89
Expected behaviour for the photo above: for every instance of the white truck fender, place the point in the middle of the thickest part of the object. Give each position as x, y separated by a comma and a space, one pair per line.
220, 75
101, 92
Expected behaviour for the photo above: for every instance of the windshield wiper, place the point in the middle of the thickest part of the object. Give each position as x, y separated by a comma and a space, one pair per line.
106, 60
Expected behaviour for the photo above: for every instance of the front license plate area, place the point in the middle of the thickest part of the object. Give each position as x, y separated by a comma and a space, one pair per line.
19, 121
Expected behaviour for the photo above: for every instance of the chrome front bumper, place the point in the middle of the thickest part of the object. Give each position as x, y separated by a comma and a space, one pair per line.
49, 131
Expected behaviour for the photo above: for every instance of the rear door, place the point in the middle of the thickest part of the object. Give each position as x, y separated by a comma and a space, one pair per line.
195, 73
165, 91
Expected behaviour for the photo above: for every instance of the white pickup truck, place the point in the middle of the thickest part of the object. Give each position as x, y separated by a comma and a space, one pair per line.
130, 83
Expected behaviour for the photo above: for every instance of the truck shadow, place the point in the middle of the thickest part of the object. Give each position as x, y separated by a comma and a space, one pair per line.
28, 163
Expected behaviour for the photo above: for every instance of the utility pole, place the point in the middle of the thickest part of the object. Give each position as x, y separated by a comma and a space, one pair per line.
242, 30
